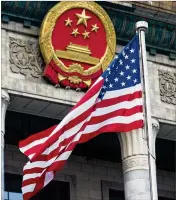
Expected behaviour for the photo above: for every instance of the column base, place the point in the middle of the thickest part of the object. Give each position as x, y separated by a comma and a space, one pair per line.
137, 185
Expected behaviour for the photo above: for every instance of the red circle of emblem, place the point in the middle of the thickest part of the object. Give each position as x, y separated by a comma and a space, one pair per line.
77, 41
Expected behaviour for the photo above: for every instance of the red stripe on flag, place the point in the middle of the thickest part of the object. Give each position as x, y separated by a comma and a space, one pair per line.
116, 100
36, 136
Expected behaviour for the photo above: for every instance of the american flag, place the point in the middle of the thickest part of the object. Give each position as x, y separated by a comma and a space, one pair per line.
112, 104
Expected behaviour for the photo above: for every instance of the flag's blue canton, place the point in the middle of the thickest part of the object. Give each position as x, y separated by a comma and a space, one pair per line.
124, 71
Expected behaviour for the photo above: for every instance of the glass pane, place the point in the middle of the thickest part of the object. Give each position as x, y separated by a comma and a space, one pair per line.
5, 195
15, 196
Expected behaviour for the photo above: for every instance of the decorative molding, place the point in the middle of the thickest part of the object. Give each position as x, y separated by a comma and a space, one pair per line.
135, 163
25, 57
167, 84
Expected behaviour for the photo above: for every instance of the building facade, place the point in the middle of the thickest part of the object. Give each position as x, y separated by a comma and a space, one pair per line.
110, 166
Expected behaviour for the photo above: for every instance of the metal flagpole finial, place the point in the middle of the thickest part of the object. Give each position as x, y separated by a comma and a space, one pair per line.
141, 25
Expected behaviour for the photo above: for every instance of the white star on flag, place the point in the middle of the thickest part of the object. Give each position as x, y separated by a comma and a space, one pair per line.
135, 80
134, 71
126, 56
133, 61
127, 67
121, 62
123, 83
132, 50
128, 77
121, 73
110, 85
116, 79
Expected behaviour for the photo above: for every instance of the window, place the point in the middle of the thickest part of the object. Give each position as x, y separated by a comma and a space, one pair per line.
56, 190
13, 187
116, 195
119, 195
165, 198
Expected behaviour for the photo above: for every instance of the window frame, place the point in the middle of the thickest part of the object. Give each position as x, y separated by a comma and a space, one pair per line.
166, 194
106, 185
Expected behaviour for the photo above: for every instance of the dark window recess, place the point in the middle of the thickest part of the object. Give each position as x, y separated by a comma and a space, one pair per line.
55, 190
165, 198
116, 195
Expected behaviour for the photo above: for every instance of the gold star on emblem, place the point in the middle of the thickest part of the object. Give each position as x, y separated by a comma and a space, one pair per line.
75, 32
68, 22
86, 34
95, 28
82, 18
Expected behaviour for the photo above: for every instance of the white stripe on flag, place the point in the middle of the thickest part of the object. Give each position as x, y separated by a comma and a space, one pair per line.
118, 93
114, 120
48, 177
28, 188
64, 156
39, 164
30, 176
118, 106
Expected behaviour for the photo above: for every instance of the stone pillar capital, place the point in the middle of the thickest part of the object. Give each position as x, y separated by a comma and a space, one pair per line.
5, 99
133, 143
155, 125
5, 96
155, 131
134, 148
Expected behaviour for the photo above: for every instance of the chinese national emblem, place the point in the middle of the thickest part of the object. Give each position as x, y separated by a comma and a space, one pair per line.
78, 42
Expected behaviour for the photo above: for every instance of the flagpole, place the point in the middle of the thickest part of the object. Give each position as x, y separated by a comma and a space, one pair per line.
141, 28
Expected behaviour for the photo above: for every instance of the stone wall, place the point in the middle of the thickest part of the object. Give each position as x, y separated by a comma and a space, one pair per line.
90, 176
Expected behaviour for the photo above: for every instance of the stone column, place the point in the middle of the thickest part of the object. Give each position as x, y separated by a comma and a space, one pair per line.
134, 152
4, 104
